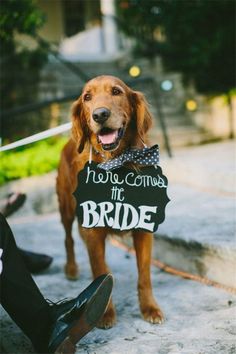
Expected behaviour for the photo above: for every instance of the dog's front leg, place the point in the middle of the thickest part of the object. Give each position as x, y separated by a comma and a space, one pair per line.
95, 240
71, 267
148, 306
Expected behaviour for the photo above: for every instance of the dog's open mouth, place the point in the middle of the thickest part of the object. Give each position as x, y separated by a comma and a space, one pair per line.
109, 138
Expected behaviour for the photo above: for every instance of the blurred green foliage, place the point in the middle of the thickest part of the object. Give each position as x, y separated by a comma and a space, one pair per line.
195, 37
20, 64
22, 16
34, 159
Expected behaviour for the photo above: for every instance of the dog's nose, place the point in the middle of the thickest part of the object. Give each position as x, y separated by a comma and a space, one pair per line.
100, 115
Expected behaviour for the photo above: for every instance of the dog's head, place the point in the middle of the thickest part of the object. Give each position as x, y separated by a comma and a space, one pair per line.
110, 116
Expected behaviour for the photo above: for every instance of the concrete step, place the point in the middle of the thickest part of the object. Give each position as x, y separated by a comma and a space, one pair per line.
209, 167
198, 235
179, 136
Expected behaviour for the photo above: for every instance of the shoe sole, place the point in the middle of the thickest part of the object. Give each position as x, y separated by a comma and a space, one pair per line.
92, 313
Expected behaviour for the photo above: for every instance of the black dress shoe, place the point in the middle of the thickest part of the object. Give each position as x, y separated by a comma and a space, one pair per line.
13, 202
35, 262
75, 318
61, 307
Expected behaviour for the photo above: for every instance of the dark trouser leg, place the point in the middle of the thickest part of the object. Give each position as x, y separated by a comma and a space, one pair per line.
19, 294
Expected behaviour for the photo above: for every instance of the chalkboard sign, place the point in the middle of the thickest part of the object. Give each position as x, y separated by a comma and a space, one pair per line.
121, 199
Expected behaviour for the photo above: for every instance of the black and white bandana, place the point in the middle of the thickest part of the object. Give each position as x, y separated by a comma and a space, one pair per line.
148, 156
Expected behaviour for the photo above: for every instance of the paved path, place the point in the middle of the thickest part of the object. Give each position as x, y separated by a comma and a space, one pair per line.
210, 167
199, 319
202, 188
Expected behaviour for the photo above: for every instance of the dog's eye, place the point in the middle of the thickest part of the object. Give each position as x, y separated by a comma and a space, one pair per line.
116, 91
87, 97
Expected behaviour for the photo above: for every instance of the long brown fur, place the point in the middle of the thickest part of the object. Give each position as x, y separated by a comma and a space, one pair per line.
129, 108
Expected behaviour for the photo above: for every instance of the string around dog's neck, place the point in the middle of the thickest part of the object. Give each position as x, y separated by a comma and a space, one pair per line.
90, 153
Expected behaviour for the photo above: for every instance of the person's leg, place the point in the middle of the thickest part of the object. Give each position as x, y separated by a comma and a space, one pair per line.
56, 328
35, 262
19, 294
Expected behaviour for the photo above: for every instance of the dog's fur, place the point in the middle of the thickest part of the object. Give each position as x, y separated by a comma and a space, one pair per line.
129, 111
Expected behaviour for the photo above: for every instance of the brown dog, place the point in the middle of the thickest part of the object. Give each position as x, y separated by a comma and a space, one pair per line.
111, 117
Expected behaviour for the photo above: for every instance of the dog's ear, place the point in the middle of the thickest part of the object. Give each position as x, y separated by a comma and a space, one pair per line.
141, 114
80, 130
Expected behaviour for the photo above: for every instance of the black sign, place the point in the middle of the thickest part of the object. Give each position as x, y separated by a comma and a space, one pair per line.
122, 199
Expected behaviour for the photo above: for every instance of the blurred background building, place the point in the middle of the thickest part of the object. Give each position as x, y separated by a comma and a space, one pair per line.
51, 47
86, 30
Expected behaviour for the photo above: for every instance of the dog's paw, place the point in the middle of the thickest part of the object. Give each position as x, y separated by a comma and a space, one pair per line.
108, 320
153, 315
72, 271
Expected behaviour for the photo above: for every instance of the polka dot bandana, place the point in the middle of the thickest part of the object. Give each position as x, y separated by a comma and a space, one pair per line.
145, 157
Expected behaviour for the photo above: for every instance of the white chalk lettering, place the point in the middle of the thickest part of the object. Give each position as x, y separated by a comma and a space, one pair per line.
89, 208
118, 216
144, 217
116, 224
88, 174
103, 178
134, 219
144, 180
119, 197
131, 179
105, 208
116, 194
161, 182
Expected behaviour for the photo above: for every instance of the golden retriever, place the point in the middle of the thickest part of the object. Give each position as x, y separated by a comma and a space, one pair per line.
110, 117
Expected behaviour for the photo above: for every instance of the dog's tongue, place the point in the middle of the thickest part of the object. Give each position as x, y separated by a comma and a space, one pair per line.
108, 138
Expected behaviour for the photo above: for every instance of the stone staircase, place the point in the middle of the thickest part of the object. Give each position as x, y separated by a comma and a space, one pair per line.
58, 80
